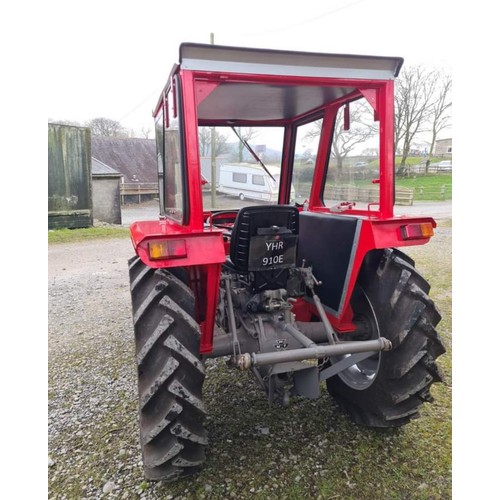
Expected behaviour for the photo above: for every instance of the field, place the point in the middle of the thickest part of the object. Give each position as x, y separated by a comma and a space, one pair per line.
432, 187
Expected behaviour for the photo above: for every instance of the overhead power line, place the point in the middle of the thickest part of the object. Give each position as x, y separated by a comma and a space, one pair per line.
305, 21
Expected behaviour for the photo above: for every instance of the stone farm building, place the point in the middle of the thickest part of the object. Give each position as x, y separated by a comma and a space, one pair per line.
135, 159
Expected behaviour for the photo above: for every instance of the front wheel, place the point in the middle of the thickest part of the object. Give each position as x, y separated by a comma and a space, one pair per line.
170, 373
387, 389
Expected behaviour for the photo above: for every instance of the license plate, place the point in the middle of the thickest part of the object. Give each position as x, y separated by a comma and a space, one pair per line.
272, 252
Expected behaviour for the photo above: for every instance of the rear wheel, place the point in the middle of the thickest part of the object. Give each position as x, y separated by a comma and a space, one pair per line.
387, 389
170, 373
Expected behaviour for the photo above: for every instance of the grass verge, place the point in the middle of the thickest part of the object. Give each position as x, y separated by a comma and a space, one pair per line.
90, 233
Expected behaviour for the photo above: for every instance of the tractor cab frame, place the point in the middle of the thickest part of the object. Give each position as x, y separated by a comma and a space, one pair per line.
240, 87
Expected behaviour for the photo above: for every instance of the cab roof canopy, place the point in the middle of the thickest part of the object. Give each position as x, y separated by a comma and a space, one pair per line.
236, 85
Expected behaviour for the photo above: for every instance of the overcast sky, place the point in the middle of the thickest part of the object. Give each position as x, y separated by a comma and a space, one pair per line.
112, 58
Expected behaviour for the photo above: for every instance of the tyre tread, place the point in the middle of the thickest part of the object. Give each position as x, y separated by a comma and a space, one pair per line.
406, 373
170, 373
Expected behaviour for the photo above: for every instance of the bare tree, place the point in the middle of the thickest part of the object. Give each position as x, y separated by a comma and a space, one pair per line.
145, 132
106, 127
221, 145
246, 133
414, 100
205, 138
345, 141
440, 111
361, 130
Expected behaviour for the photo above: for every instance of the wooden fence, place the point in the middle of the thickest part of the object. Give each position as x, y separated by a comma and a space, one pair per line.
369, 194
138, 190
404, 196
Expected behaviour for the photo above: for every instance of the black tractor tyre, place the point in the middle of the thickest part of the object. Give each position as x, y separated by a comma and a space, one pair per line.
170, 373
397, 305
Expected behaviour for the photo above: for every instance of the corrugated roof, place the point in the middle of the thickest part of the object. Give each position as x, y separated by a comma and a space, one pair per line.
134, 158
100, 168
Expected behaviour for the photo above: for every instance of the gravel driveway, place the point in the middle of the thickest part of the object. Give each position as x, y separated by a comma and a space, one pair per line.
93, 434
91, 370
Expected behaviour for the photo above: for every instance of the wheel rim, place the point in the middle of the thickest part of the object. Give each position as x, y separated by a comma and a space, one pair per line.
361, 375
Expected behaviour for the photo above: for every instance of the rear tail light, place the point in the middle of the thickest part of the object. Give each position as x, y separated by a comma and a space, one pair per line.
419, 231
167, 249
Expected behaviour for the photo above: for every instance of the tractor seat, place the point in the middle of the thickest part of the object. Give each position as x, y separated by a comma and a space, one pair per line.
264, 242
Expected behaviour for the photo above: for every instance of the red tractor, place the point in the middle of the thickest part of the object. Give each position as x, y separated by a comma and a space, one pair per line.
291, 268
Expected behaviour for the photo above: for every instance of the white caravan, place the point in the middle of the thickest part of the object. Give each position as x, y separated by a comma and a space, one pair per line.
247, 181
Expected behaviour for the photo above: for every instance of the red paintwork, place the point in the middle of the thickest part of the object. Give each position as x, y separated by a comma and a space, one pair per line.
208, 302
205, 253
203, 247
206, 245
375, 235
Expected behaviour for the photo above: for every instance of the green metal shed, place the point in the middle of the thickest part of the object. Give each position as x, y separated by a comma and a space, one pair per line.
70, 177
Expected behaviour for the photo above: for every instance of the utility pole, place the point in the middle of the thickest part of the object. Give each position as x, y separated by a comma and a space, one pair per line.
213, 179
